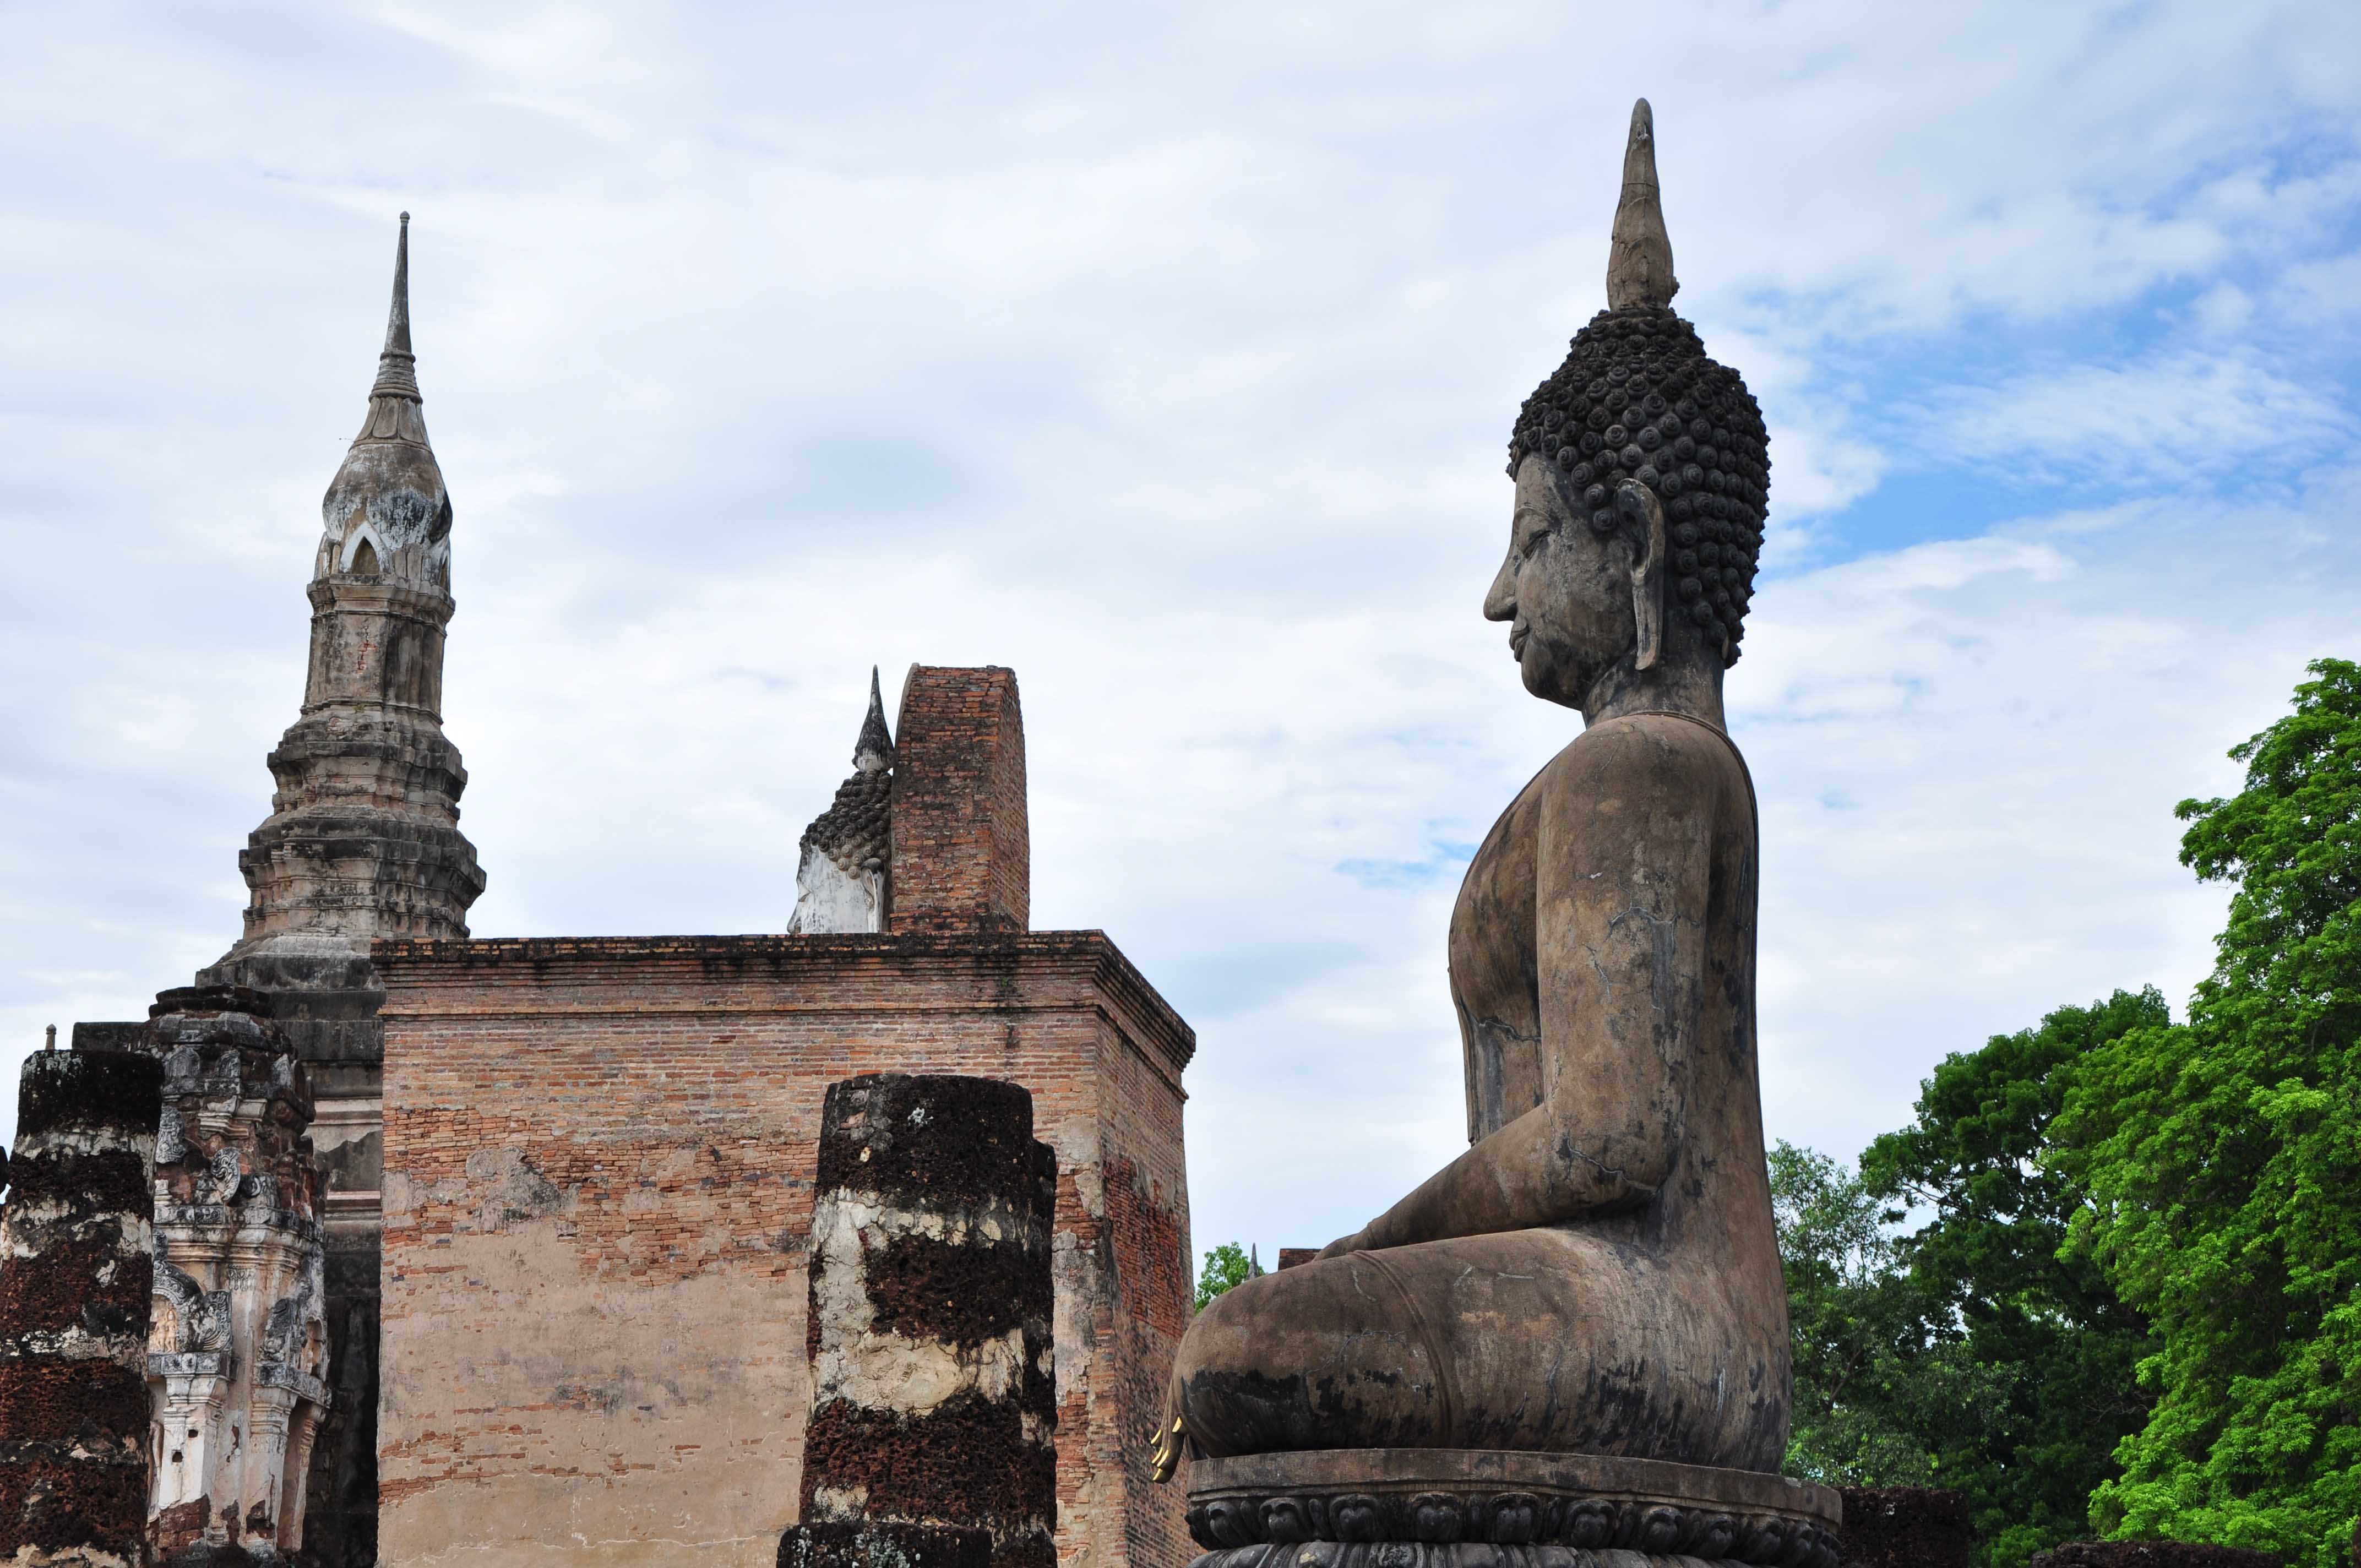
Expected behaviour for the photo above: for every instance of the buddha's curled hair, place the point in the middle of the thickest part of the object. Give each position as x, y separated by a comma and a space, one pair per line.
1637, 398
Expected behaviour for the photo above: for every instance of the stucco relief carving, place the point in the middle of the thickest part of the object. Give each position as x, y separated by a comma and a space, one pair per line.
237, 1346
187, 1318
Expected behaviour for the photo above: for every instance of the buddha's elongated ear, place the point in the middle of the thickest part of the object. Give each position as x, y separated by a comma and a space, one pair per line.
1639, 503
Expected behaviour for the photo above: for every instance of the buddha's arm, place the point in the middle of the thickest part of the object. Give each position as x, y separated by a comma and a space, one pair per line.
1623, 874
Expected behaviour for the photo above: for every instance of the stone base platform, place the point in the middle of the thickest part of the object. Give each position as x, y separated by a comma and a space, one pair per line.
1432, 1507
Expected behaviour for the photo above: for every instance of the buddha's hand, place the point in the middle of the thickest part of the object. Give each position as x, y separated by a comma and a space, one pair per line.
1357, 1242
1172, 1439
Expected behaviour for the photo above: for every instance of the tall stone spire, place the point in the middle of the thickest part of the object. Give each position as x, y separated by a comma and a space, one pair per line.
396, 321
1639, 257
363, 840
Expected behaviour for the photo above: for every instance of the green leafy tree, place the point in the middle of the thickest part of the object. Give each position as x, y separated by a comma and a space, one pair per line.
1225, 1266
2058, 1350
2223, 1162
1877, 1395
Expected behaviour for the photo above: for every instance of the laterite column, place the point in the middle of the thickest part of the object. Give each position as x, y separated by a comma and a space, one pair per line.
933, 1395
74, 1280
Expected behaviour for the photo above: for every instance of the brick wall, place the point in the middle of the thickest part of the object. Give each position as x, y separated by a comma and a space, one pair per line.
598, 1160
962, 858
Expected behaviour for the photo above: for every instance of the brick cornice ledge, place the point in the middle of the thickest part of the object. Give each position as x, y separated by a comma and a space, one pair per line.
793, 957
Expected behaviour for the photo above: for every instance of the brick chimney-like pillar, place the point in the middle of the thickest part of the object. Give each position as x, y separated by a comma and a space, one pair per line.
933, 1411
74, 1280
963, 856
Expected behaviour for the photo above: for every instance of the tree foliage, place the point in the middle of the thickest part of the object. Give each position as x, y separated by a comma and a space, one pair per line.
2058, 1349
1964, 1354
1225, 1266
1868, 1378
2223, 1158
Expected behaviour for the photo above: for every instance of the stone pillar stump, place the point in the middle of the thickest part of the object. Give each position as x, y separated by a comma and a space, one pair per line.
74, 1280
933, 1408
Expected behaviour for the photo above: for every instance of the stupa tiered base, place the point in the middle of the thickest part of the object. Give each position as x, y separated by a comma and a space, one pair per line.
1434, 1507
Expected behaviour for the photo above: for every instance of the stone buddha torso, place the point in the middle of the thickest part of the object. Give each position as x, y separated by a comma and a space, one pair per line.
1650, 1324
1703, 1244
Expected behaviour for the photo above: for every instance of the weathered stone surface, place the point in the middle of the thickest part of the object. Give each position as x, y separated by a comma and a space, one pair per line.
1503, 1507
933, 1403
74, 1283
1598, 1277
122, 1037
1446, 1555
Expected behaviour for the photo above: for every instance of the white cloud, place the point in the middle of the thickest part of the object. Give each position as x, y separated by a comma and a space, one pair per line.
2172, 419
2222, 310
1168, 356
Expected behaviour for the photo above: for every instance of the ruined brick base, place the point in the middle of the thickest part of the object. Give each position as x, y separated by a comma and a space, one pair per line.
2153, 1554
1906, 1527
212, 1555
883, 1546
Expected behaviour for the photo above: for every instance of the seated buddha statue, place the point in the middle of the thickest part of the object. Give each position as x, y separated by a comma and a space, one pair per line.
1598, 1273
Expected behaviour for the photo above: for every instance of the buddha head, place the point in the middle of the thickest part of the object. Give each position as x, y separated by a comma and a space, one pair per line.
1641, 468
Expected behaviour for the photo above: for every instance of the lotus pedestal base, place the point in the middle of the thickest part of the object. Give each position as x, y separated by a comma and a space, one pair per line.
1432, 1508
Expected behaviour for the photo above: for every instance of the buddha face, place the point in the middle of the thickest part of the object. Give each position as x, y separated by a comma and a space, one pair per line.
1565, 590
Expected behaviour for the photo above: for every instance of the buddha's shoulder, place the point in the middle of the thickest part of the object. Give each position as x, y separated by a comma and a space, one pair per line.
1655, 742
1661, 757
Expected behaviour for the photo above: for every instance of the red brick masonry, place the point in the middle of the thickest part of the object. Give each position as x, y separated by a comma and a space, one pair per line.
963, 847
598, 1164
73, 1311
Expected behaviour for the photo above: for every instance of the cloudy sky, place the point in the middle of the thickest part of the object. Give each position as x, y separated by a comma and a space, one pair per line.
1168, 356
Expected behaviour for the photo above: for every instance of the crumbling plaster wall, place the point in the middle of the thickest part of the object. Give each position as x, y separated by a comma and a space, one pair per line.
597, 1193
